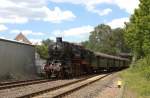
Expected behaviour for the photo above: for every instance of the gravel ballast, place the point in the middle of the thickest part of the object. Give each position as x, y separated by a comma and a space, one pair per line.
23, 90
104, 88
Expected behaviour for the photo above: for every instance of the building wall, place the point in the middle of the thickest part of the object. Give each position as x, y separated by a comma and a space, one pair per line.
17, 60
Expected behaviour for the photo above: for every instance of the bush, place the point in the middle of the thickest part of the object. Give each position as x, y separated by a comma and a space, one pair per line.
137, 77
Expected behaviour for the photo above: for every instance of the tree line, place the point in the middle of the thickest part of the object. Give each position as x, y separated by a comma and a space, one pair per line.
106, 40
137, 31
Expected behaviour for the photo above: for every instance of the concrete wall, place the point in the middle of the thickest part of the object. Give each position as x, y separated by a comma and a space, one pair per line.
17, 60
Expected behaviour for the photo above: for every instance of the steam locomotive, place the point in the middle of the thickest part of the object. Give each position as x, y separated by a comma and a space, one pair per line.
67, 60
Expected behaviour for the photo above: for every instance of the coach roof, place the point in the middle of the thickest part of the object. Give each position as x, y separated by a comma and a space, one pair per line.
109, 56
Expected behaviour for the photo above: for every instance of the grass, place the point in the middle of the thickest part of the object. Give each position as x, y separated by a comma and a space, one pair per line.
137, 77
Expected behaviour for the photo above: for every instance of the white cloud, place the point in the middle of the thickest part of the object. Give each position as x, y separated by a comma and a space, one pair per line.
73, 33
101, 12
127, 5
84, 2
36, 41
105, 11
58, 15
3, 28
78, 31
89, 4
118, 22
13, 19
2, 37
27, 32
22, 11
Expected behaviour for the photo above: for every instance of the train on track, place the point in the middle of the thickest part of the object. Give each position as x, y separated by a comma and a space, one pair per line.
67, 60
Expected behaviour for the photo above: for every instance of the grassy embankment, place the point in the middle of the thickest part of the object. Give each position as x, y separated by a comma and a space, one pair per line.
137, 78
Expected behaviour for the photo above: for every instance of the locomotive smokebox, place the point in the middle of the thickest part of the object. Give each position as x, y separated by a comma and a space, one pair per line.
59, 39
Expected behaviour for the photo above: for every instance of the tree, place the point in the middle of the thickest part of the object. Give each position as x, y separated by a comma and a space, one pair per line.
47, 42
99, 36
104, 39
119, 41
137, 30
43, 48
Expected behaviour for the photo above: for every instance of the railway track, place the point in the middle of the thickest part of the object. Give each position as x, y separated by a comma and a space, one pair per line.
13, 84
65, 89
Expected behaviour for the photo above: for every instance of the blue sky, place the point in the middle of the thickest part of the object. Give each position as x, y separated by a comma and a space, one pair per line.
71, 19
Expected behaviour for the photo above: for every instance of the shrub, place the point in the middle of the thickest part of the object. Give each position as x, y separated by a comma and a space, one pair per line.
137, 77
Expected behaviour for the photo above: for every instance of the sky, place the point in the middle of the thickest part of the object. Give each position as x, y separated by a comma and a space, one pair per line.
70, 19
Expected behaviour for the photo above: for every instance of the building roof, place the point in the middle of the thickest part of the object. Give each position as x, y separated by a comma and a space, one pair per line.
15, 41
21, 38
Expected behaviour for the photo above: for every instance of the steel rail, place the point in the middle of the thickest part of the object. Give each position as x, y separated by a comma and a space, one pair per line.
23, 83
77, 88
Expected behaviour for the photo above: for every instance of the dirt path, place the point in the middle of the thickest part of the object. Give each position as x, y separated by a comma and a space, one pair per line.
111, 90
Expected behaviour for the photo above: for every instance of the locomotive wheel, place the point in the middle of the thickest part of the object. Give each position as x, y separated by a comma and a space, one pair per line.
60, 74
48, 75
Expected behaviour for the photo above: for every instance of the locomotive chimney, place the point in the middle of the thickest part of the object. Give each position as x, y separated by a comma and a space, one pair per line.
59, 39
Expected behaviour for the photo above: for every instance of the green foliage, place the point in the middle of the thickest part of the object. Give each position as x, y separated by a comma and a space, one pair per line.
143, 67
137, 36
47, 42
43, 48
99, 36
43, 51
119, 41
137, 77
106, 40
138, 30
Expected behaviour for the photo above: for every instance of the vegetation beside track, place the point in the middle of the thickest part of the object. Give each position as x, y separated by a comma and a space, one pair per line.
137, 78
137, 37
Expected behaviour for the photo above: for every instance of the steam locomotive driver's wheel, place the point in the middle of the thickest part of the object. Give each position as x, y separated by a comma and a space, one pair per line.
60, 74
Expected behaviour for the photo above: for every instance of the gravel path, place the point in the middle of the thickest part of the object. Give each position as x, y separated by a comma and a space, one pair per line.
18, 91
111, 91
104, 88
